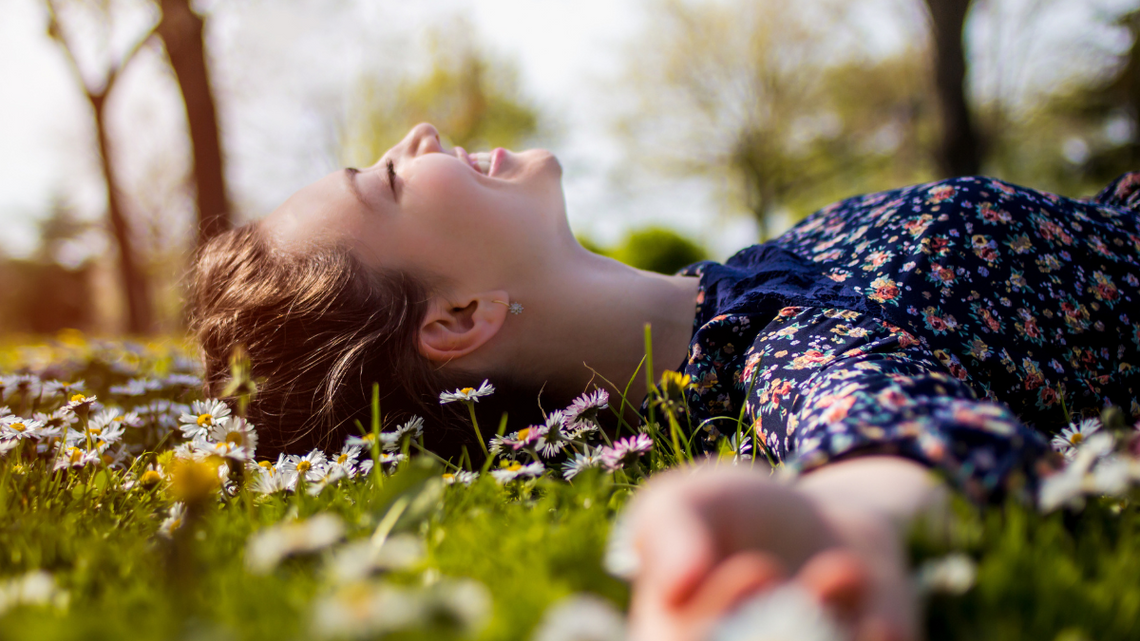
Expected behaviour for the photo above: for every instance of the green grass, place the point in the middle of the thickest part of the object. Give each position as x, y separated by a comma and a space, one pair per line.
1065, 576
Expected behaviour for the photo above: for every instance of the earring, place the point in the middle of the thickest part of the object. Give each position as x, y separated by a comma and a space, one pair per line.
514, 308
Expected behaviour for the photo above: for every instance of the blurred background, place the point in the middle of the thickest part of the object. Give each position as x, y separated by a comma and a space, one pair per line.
133, 130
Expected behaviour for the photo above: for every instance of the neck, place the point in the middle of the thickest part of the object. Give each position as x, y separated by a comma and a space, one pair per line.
587, 324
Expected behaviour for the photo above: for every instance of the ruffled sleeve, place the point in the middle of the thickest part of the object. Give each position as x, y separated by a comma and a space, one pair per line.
823, 384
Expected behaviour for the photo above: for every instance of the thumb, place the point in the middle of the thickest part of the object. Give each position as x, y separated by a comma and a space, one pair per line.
675, 549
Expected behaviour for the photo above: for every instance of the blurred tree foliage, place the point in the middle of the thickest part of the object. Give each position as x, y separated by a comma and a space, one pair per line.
471, 98
1078, 137
792, 107
784, 98
655, 249
50, 290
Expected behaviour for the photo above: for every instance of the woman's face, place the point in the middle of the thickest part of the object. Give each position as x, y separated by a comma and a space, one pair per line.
472, 219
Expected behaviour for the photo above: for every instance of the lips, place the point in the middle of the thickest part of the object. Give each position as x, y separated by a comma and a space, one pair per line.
484, 162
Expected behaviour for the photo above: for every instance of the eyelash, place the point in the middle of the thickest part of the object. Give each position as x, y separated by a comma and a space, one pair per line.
392, 175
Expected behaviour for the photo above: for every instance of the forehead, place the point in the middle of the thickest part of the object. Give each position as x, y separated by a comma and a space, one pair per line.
326, 212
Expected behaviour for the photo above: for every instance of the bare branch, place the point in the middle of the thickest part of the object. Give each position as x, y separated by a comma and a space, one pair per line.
55, 32
129, 55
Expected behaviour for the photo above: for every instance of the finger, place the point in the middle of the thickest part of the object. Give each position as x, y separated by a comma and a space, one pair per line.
840, 580
675, 548
732, 581
878, 629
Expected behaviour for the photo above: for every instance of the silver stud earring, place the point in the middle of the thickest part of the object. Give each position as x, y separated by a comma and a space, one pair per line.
514, 308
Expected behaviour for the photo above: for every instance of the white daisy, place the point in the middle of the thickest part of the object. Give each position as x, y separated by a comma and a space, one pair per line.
526, 438
17, 429
108, 431
626, 451
329, 475
74, 457
7, 445
153, 475
236, 431
24, 385
581, 461
364, 440
584, 409
136, 387
465, 477
556, 437
269, 481
517, 470
741, 451
203, 415
413, 428
181, 380
310, 466
79, 404
1074, 435
467, 394
224, 449
60, 388
173, 521
266, 548
346, 461
785, 612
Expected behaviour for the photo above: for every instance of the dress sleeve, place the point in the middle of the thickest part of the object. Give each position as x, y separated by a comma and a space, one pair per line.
832, 384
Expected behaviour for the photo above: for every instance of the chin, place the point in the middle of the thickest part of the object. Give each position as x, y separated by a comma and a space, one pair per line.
544, 161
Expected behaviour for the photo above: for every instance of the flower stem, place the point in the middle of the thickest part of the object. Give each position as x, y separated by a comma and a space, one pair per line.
475, 424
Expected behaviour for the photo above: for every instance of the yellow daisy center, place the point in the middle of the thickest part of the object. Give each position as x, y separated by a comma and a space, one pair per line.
467, 390
19, 427
1077, 438
78, 398
205, 420
341, 459
449, 477
150, 477
175, 524
75, 456
265, 464
95, 431
515, 467
304, 466
523, 433
234, 438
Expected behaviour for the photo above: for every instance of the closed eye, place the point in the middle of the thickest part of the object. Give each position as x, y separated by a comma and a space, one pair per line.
392, 175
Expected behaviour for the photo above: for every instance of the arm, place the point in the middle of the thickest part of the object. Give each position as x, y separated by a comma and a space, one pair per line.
855, 386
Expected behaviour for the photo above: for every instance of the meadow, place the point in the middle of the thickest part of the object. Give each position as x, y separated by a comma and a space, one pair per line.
131, 507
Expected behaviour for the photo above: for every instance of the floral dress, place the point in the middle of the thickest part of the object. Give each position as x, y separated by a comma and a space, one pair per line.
955, 323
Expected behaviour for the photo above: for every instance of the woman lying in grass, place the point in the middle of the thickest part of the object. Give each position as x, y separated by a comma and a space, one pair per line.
947, 326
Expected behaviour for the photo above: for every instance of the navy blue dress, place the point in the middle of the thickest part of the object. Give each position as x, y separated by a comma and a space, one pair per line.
942, 322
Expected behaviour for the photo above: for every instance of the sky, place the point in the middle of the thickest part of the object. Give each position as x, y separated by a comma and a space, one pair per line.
281, 85
284, 74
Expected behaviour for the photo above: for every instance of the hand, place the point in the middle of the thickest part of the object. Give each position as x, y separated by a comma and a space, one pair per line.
709, 538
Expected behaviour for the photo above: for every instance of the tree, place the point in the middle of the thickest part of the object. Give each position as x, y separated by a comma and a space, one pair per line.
960, 153
472, 99
775, 95
181, 30
131, 275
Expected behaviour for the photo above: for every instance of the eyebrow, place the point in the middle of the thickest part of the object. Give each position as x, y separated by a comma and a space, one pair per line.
350, 178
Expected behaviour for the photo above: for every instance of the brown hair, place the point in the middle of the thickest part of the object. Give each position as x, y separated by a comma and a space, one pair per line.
320, 329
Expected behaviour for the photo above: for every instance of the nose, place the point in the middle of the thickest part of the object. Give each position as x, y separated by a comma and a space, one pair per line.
423, 139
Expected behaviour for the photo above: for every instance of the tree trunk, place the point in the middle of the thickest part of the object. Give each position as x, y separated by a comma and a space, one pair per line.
134, 281
181, 32
961, 150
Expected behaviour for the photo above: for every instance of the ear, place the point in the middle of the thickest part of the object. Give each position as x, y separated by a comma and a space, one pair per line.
456, 326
